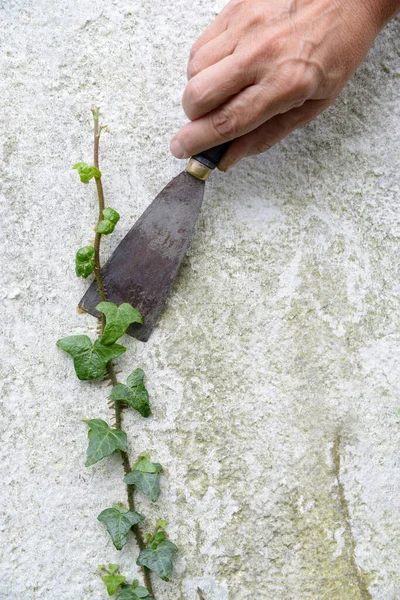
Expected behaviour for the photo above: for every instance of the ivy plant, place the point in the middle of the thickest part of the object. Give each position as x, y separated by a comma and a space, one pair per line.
103, 441
116, 583
87, 172
145, 476
84, 261
134, 393
108, 222
92, 360
158, 555
119, 521
118, 319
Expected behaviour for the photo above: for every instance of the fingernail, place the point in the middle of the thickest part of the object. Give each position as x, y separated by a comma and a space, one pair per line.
176, 149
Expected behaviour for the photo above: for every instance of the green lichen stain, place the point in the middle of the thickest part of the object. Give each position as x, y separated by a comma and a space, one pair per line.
270, 376
359, 577
197, 482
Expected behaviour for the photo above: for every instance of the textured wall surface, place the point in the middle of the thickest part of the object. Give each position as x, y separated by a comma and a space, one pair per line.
275, 372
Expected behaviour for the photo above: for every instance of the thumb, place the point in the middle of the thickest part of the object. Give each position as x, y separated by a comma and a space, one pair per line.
271, 132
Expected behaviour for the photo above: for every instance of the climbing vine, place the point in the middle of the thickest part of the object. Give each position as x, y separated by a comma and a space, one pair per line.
94, 360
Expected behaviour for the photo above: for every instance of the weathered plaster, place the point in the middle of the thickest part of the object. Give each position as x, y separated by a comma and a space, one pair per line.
274, 375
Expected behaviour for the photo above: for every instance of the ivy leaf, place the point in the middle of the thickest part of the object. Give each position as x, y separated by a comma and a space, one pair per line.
103, 441
145, 465
118, 319
133, 394
86, 172
130, 593
119, 521
84, 261
141, 592
90, 360
162, 523
112, 568
145, 476
159, 558
146, 482
107, 225
113, 582
160, 537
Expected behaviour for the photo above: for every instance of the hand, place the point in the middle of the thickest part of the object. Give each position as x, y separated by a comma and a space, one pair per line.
265, 67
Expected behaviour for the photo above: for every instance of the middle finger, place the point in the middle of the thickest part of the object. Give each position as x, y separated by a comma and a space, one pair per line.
215, 85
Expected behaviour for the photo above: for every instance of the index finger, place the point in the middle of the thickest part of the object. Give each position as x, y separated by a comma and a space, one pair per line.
231, 120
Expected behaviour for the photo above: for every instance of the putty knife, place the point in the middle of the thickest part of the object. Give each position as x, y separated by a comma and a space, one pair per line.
143, 267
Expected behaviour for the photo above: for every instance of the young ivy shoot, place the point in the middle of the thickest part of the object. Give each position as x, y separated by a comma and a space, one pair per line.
93, 359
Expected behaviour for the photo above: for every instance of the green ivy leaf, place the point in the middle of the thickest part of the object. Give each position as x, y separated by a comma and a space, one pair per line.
130, 593
133, 394
90, 360
141, 592
113, 582
84, 261
146, 482
160, 537
145, 476
86, 172
159, 558
119, 521
162, 523
107, 225
112, 568
145, 465
118, 319
103, 441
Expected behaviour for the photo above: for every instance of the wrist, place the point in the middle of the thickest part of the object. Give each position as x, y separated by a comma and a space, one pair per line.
379, 12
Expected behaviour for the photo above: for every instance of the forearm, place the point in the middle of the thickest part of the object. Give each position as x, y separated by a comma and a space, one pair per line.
381, 11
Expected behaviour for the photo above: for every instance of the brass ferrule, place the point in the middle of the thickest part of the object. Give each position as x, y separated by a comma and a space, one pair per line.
197, 169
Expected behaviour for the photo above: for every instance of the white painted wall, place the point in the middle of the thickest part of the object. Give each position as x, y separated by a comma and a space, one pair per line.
274, 374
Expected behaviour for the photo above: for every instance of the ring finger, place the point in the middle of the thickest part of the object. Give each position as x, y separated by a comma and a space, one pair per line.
211, 53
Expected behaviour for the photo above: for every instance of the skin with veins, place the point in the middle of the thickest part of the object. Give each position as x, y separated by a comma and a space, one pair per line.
265, 67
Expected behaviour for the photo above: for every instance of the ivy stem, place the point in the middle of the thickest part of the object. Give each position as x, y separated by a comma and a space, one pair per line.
100, 194
118, 409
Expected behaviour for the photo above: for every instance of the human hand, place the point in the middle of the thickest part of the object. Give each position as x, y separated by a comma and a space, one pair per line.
266, 67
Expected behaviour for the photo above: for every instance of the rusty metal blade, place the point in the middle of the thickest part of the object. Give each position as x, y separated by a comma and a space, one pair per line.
144, 265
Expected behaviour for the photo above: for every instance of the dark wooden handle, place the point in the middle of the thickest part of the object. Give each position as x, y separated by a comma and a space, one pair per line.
211, 157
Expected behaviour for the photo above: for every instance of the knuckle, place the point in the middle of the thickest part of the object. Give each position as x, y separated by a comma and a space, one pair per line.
235, 10
193, 51
274, 45
236, 5
194, 68
269, 50
256, 16
300, 81
225, 122
263, 146
274, 133
299, 84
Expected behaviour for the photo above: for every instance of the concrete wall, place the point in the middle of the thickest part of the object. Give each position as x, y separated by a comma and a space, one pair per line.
274, 374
